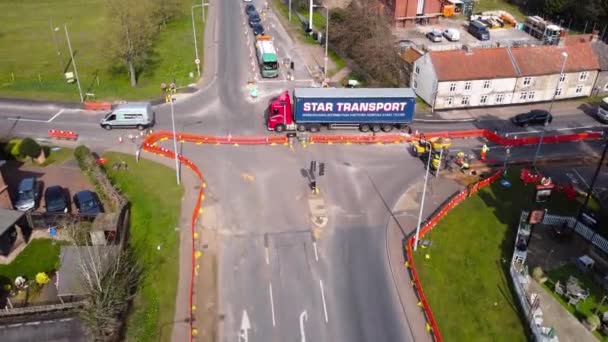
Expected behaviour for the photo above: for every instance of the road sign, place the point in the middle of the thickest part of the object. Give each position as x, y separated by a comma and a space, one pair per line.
197, 61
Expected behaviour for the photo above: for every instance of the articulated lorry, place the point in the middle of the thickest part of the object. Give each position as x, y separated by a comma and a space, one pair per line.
267, 57
371, 109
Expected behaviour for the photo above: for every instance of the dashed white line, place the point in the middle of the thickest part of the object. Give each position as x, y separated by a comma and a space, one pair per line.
272, 305
267, 256
36, 120
323, 299
581, 178
314, 245
56, 115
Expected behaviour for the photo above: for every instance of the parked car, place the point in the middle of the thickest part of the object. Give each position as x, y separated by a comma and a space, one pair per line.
250, 9
28, 192
55, 200
478, 30
87, 202
434, 36
452, 34
533, 117
254, 19
258, 29
247, 0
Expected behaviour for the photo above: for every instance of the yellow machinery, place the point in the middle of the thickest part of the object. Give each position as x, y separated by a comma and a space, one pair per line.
432, 148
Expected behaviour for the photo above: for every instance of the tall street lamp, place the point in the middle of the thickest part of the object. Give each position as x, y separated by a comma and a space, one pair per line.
426, 178
542, 134
73, 62
310, 15
174, 140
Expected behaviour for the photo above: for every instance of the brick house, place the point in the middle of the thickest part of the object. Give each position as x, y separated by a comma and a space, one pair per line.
409, 12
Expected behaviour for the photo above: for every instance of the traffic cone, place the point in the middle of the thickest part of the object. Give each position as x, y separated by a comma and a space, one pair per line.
120, 139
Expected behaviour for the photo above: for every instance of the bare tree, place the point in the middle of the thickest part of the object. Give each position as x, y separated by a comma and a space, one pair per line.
165, 10
131, 27
363, 33
110, 280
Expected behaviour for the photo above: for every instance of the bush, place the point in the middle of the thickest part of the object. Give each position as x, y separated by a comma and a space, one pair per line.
82, 153
593, 321
12, 148
537, 273
29, 148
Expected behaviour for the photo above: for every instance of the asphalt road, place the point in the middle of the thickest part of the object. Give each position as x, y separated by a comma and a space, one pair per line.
56, 330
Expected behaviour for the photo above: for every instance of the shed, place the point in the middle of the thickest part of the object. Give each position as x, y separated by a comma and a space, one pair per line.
76, 261
9, 220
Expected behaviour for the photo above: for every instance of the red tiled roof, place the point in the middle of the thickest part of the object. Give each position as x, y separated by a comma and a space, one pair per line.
410, 55
577, 38
480, 64
546, 60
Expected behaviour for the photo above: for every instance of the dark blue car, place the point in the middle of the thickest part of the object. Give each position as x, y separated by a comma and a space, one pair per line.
55, 200
87, 202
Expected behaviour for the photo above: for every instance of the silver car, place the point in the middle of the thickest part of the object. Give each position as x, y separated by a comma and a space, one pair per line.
27, 194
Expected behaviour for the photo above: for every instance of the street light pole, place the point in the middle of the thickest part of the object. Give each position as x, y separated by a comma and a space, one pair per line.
326, 39
198, 66
289, 10
426, 178
65, 27
542, 134
174, 141
310, 15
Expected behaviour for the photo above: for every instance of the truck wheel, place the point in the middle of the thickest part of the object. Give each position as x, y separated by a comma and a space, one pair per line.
375, 128
314, 128
279, 128
364, 128
107, 127
301, 128
140, 127
387, 128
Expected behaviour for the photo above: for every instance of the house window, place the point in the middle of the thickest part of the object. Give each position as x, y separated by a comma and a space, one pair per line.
562, 78
531, 95
452, 86
583, 76
467, 86
527, 81
500, 98
523, 95
417, 71
415, 84
487, 84
606, 87
579, 89
448, 101
483, 99
464, 100
558, 92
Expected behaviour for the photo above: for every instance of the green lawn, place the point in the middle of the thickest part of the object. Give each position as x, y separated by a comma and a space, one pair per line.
30, 66
466, 275
492, 5
584, 308
57, 156
40, 255
155, 208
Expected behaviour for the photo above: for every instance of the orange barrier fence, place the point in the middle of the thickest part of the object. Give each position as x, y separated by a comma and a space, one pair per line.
90, 105
428, 225
58, 134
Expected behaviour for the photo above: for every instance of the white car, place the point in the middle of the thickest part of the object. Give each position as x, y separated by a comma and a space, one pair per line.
452, 34
247, 0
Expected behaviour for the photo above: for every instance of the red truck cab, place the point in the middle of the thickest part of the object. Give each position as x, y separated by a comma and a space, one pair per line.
280, 116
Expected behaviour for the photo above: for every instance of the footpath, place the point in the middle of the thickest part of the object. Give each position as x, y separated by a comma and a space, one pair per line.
400, 227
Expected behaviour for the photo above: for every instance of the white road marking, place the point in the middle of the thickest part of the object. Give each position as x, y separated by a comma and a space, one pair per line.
267, 256
314, 245
36, 120
272, 305
245, 326
323, 299
303, 317
581, 178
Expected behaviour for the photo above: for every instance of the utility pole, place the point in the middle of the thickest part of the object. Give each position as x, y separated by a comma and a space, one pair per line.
73, 62
310, 15
326, 40
426, 178
197, 61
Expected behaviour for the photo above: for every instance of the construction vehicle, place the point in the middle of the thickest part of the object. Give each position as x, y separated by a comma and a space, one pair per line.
543, 30
267, 57
436, 148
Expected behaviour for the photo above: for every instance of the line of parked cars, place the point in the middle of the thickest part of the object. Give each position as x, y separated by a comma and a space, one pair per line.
56, 198
254, 20
476, 28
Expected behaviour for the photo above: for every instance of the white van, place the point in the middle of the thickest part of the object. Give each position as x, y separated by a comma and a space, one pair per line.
134, 114
602, 111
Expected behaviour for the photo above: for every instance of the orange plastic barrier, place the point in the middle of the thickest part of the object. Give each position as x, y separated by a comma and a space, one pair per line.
90, 105
67, 135
430, 224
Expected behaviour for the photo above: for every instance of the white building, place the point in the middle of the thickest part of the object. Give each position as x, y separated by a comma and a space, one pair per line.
502, 76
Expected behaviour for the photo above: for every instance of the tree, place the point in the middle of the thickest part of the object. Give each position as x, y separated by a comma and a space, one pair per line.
131, 27
29, 148
556, 7
363, 33
165, 10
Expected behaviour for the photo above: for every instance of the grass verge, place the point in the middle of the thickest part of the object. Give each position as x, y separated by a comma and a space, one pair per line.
57, 155
35, 55
40, 255
466, 271
155, 208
